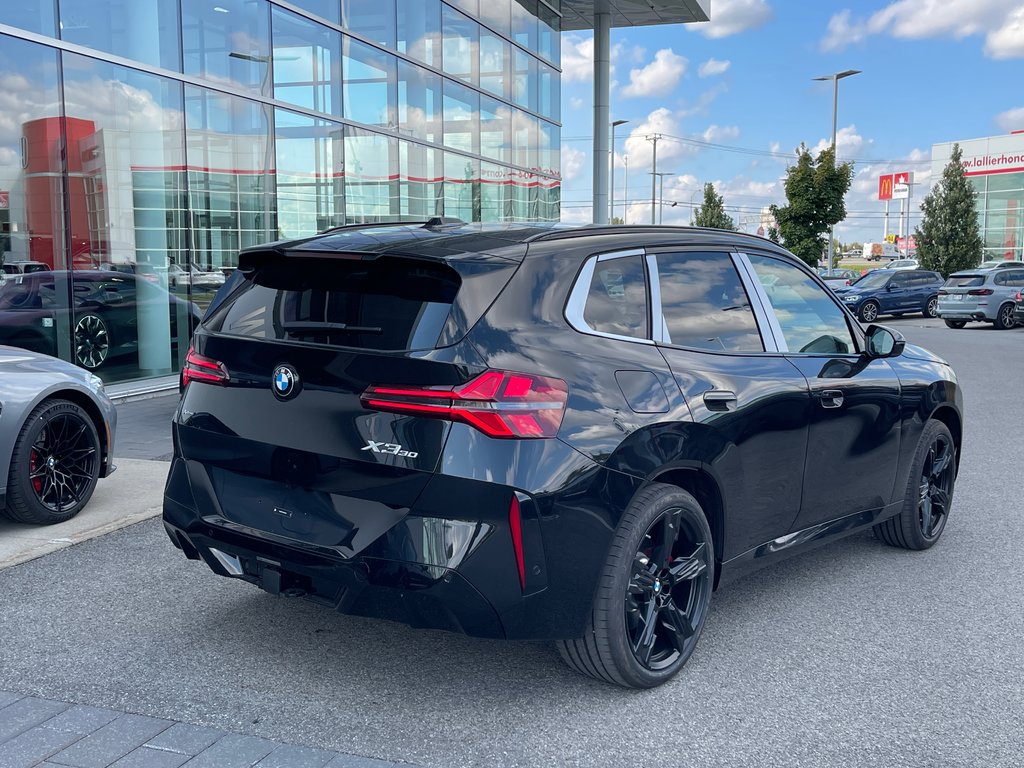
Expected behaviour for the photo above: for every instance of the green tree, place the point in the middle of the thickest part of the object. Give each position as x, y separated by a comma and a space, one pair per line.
815, 200
712, 211
949, 238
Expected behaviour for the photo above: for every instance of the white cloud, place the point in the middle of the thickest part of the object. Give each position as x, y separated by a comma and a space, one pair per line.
576, 103
730, 17
574, 215
719, 133
572, 162
1001, 21
659, 77
700, 106
577, 58
713, 67
849, 144
1011, 120
640, 150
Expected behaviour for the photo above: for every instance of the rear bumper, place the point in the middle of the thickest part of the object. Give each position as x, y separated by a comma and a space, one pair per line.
961, 312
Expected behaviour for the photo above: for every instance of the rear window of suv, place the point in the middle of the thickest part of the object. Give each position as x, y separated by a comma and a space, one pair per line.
965, 281
385, 304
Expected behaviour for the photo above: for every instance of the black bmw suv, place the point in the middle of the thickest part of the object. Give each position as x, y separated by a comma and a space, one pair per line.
543, 432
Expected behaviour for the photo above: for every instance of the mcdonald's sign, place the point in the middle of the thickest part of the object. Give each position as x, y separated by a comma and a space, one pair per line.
885, 187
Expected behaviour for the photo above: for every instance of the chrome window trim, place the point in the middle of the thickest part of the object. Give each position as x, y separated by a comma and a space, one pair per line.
763, 312
659, 329
577, 300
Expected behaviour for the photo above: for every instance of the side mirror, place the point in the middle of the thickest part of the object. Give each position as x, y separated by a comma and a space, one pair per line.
884, 342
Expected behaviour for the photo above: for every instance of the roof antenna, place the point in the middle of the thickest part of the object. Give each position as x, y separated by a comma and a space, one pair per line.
444, 221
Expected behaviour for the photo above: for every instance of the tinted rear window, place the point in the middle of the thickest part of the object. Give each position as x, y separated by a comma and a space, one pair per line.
386, 304
965, 281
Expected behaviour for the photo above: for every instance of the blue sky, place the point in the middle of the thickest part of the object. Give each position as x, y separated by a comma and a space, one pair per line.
933, 71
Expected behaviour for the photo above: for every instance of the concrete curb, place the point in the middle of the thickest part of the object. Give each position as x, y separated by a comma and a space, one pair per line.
132, 494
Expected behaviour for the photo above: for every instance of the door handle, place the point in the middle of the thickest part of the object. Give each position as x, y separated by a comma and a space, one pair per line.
831, 398
719, 399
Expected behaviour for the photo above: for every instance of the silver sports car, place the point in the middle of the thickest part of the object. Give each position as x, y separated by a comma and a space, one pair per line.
56, 436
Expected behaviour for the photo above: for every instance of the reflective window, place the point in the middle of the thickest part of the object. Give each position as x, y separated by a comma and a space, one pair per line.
550, 99
143, 30
461, 116
371, 92
471, 7
228, 41
495, 129
495, 194
524, 79
422, 177
373, 19
549, 149
33, 15
497, 14
419, 103
549, 43
495, 59
371, 177
307, 63
325, 9
230, 177
461, 187
419, 31
704, 304
524, 139
310, 163
617, 300
524, 23
460, 38
810, 319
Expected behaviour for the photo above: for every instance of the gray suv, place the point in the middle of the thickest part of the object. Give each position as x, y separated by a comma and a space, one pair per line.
980, 295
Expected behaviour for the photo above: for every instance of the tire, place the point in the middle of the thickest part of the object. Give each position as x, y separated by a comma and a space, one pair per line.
955, 323
929, 494
931, 307
54, 466
633, 594
868, 312
1004, 317
92, 341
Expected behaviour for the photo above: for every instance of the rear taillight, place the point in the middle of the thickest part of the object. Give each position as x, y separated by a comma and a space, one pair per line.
1019, 296
204, 369
980, 292
498, 403
943, 293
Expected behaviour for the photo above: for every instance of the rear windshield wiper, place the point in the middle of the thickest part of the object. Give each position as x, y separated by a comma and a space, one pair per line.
312, 328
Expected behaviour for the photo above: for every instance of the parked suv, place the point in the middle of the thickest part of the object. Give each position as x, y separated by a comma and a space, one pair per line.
981, 295
893, 292
546, 433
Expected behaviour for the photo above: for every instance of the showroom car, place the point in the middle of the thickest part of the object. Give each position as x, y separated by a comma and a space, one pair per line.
544, 432
104, 315
981, 295
893, 292
56, 437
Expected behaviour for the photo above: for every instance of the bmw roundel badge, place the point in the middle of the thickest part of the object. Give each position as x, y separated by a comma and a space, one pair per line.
285, 382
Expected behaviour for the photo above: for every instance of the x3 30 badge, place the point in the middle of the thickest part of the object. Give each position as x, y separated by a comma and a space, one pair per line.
390, 448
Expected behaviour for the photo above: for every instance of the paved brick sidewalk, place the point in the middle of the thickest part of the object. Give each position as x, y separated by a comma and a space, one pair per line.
40, 732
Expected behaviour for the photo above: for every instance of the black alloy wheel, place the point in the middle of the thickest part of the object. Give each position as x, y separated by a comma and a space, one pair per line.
654, 595
92, 342
55, 464
929, 494
931, 309
869, 312
1004, 318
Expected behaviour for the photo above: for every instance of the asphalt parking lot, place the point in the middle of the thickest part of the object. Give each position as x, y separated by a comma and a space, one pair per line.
853, 655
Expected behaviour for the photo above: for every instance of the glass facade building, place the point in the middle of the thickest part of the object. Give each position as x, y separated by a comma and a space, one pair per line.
144, 142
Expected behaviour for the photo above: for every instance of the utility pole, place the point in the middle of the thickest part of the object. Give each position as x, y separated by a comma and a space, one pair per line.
654, 172
625, 189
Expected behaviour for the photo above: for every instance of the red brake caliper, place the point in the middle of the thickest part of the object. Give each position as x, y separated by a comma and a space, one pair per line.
33, 465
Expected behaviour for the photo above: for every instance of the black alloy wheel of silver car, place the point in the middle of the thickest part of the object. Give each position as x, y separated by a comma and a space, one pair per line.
55, 464
931, 309
92, 341
1005, 317
654, 595
868, 312
929, 492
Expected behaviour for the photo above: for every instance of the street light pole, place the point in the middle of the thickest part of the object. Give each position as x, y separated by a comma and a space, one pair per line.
625, 189
611, 173
654, 171
658, 179
835, 78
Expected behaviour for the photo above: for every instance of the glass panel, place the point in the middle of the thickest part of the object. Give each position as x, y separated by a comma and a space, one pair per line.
307, 63
461, 187
325, 9
550, 155
228, 42
130, 319
524, 80
461, 117
549, 200
524, 23
419, 103
496, 193
810, 319
524, 139
550, 99
371, 177
142, 30
371, 91
460, 41
231, 176
33, 15
495, 129
617, 301
549, 40
471, 7
419, 31
310, 174
497, 14
373, 19
495, 59
31, 221
1003, 182
422, 190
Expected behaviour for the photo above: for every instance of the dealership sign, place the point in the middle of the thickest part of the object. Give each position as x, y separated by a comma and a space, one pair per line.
5, 199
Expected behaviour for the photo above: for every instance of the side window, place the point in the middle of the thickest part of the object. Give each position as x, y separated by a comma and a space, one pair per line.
899, 281
1001, 279
704, 304
617, 299
1017, 278
810, 319
921, 279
